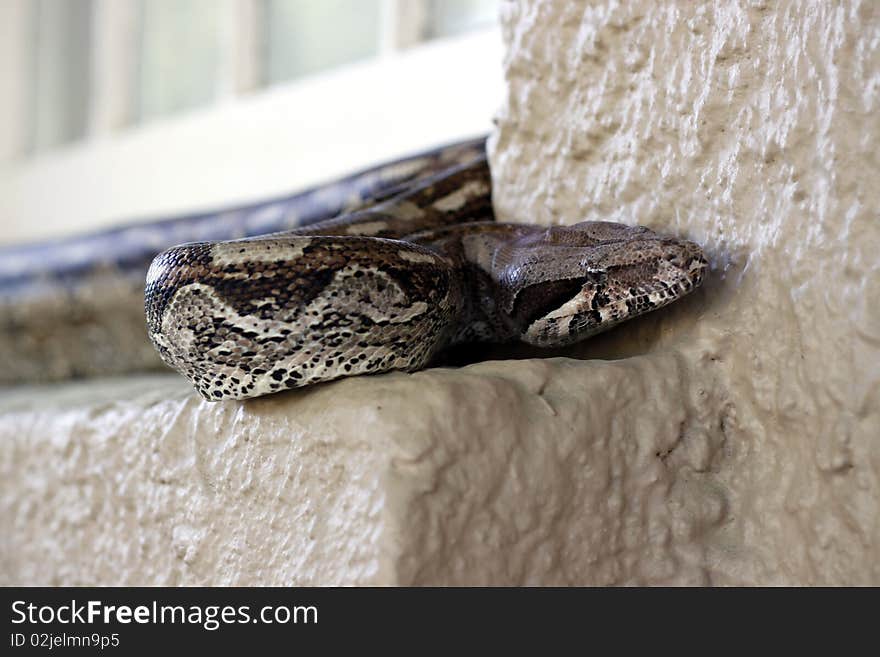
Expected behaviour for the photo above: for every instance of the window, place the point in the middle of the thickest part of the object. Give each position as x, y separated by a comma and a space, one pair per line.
178, 51
448, 17
304, 37
138, 109
76, 68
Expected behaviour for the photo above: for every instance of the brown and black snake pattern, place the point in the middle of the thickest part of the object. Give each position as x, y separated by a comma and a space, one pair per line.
392, 285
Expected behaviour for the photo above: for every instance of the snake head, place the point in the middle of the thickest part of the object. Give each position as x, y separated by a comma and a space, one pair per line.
602, 275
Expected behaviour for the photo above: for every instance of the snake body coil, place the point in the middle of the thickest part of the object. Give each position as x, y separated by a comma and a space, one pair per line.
74, 307
391, 285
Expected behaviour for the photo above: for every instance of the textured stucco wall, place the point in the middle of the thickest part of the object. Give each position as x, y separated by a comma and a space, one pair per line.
733, 438
752, 128
497, 473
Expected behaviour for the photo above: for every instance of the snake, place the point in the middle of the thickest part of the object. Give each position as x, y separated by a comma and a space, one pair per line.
384, 270
72, 308
391, 286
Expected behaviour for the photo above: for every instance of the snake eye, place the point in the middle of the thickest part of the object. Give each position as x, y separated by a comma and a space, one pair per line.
535, 301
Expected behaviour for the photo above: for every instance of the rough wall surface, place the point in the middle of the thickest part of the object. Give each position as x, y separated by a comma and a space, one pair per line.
733, 438
497, 473
753, 129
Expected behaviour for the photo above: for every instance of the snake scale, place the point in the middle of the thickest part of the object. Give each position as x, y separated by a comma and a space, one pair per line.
406, 268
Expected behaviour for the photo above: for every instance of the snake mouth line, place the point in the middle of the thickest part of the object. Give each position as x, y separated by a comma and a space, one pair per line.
599, 306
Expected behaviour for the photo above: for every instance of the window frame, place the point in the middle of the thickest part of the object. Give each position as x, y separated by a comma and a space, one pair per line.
250, 145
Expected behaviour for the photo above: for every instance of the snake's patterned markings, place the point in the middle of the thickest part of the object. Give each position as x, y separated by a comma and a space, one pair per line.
390, 286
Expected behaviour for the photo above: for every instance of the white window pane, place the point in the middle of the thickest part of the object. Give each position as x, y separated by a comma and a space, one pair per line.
448, 17
16, 77
60, 74
305, 36
179, 55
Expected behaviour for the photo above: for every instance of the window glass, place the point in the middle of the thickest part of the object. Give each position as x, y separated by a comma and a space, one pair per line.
182, 54
304, 36
449, 17
60, 71
179, 55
